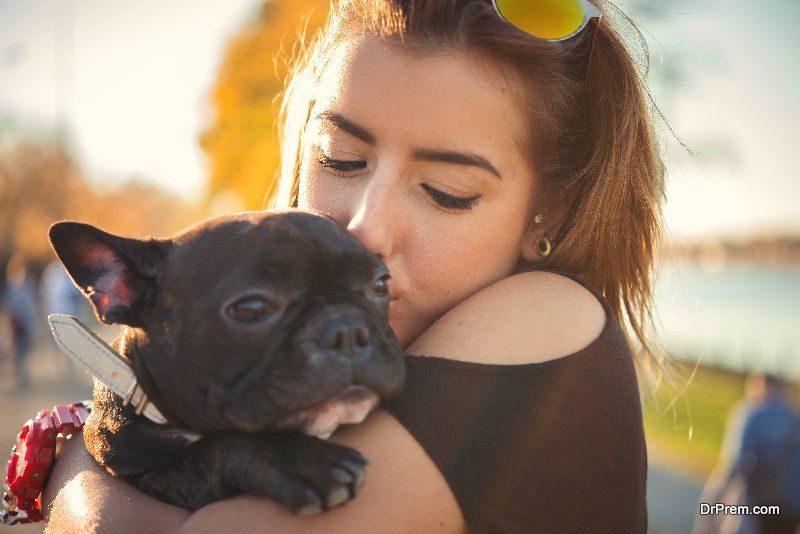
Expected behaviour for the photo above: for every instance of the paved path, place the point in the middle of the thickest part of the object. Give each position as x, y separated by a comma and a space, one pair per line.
671, 500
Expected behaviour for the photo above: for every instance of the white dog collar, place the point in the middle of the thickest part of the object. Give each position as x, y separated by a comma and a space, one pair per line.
102, 362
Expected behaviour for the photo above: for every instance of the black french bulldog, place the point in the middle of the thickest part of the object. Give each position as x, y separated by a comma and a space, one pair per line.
242, 329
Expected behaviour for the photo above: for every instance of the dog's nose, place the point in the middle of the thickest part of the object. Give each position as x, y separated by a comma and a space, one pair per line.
346, 335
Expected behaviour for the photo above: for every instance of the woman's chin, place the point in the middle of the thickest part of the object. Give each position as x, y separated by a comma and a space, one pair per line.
399, 326
406, 333
408, 324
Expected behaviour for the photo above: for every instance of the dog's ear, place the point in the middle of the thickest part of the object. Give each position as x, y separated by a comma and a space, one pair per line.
118, 275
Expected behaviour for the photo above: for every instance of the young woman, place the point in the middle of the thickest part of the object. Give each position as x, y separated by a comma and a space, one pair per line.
512, 187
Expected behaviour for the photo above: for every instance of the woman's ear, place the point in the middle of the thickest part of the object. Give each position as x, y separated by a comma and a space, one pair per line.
529, 250
544, 226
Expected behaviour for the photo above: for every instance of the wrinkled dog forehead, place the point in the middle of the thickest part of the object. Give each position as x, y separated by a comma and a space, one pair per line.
289, 248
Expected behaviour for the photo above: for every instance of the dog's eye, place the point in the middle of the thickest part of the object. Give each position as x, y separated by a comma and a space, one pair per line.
380, 287
250, 309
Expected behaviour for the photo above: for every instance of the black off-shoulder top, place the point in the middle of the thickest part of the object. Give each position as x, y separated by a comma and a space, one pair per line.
550, 447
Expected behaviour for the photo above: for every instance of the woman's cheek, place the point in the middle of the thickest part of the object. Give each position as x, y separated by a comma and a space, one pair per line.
443, 273
320, 194
466, 265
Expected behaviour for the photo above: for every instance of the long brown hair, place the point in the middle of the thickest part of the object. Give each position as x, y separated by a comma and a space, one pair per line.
591, 140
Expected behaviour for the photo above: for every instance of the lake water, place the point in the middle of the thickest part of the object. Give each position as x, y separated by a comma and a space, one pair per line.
741, 317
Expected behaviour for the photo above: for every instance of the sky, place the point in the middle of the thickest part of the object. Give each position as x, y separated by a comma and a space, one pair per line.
131, 79
733, 102
131, 82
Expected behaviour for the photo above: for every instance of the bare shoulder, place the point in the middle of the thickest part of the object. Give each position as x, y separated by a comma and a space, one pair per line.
525, 318
403, 493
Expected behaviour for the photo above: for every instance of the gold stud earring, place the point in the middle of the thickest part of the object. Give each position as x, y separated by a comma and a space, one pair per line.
544, 246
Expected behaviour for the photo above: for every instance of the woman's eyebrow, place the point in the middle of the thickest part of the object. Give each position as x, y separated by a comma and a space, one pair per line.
458, 158
348, 126
444, 156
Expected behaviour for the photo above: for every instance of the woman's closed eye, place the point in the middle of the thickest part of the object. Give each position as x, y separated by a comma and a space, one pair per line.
449, 201
341, 166
347, 167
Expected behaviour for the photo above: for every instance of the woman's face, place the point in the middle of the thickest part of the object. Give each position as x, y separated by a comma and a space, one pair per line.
418, 156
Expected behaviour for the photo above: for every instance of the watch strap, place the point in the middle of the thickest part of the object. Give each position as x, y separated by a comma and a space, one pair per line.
32, 460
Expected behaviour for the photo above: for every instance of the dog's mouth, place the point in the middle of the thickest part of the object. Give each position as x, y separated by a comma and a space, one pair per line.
349, 406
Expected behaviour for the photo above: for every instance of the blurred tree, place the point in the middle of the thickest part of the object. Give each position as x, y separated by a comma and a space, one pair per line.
41, 183
38, 181
242, 141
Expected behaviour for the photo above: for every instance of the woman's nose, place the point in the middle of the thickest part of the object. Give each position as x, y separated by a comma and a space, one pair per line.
372, 222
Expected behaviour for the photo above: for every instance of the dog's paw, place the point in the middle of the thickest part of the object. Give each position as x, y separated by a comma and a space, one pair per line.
302, 473
318, 475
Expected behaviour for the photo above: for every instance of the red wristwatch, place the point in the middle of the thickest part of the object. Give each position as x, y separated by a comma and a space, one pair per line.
32, 459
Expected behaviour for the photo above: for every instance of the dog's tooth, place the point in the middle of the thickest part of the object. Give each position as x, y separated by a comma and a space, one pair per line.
320, 429
357, 418
323, 428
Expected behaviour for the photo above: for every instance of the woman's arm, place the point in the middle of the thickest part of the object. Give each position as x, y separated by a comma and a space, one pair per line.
82, 497
403, 492
523, 317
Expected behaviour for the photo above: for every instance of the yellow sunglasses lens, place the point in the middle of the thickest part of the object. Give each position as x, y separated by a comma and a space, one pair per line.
546, 19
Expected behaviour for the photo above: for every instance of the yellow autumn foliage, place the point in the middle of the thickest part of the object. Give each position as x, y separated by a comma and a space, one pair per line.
242, 141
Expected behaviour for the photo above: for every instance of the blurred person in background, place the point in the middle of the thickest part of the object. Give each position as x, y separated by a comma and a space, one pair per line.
760, 462
19, 305
59, 294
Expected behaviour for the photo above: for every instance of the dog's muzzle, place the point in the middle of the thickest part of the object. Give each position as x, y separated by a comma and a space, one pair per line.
350, 406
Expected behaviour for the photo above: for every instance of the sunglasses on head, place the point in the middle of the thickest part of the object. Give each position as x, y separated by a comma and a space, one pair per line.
552, 20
